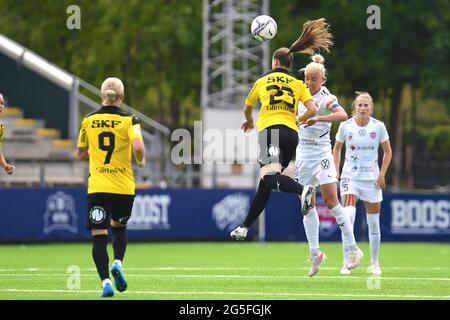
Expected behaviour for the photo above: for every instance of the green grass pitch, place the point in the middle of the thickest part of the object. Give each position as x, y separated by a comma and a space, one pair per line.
226, 271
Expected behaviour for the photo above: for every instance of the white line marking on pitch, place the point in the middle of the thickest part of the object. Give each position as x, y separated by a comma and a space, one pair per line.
217, 268
238, 293
224, 276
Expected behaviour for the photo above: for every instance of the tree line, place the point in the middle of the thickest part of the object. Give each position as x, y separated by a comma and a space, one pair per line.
156, 48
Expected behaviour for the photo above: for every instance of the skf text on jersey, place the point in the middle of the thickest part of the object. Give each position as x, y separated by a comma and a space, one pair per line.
105, 123
279, 79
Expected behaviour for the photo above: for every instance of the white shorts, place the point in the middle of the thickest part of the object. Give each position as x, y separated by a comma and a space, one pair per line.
363, 189
315, 172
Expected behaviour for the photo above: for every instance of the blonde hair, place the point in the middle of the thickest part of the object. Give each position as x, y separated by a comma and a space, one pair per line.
112, 91
362, 94
315, 35
317, 63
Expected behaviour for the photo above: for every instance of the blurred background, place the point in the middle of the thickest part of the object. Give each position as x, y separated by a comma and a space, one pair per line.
194, 60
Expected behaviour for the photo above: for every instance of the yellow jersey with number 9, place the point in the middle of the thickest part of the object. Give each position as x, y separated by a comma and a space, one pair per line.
108, 133
279, 93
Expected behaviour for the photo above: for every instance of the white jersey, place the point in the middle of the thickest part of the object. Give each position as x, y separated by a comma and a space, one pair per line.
314, 142
361, 148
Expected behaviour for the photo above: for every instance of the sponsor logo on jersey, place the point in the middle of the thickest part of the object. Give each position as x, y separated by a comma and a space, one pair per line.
362, 132
231, 211
60, 213
105, 123
150, 212
364, 148
111, 170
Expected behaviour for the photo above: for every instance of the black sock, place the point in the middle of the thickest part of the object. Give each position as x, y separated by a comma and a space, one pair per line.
119, 242
100, 255
258, 204
282, 183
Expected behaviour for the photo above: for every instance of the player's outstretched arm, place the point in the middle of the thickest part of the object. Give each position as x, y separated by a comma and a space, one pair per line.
311, 110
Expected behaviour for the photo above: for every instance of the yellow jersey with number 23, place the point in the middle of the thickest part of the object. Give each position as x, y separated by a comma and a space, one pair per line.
279, 93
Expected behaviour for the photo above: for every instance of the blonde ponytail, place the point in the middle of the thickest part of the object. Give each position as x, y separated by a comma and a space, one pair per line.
112, 91
317, 58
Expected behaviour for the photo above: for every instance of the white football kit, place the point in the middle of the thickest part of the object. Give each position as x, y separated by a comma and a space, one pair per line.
314, 164
361, 170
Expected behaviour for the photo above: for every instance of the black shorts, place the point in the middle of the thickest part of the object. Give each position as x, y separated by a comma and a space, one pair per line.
277, 144
102, 207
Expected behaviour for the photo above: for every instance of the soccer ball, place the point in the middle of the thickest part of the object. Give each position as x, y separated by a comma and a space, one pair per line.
263, 28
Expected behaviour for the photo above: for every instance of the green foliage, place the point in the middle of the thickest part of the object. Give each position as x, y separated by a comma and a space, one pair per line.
153, 46
156, 48
438, 141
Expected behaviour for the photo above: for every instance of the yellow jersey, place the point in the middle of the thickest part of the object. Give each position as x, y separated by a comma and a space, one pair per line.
279, 93
108, 133
2, 132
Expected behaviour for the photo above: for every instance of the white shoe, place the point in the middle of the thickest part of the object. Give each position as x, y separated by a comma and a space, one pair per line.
345, 271
307, 194
315, 264
355, 259
374, 269
240, 233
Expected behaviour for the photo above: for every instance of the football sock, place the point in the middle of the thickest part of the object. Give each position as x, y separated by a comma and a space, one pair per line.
282, 183
351, 212
258, 204
106, 281
373, 222
343, 221
311, 224
119, 242
100, 255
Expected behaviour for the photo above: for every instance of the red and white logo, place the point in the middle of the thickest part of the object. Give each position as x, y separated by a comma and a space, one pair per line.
373, 135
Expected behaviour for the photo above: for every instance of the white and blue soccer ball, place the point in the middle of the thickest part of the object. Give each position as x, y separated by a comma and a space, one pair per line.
263, 28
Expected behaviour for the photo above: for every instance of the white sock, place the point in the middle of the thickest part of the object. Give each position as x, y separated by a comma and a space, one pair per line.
351, 212
119, 262
311, 224
105, 282
373, 222
343, 220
